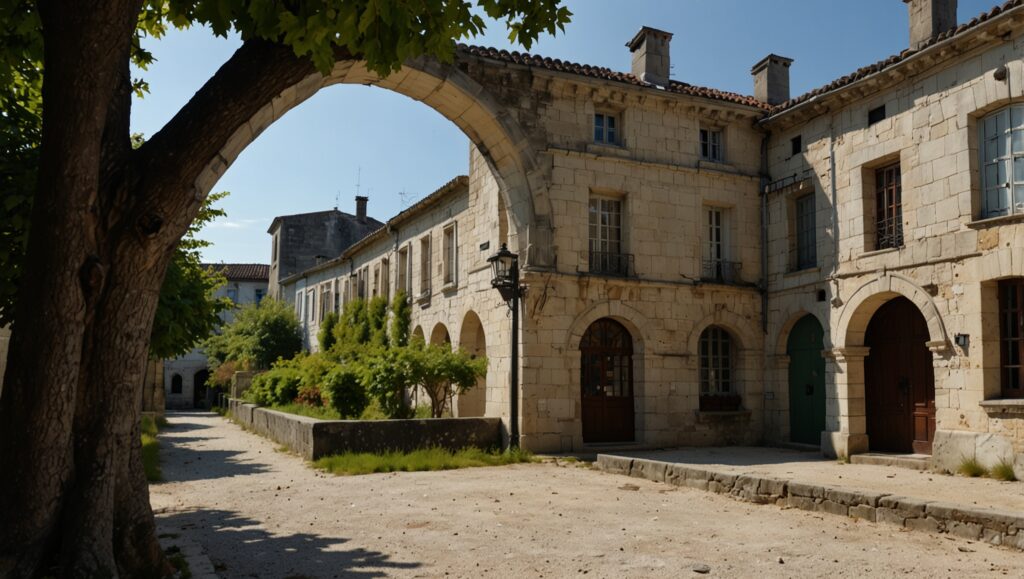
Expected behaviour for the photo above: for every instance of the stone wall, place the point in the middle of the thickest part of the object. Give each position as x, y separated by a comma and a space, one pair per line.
312, 439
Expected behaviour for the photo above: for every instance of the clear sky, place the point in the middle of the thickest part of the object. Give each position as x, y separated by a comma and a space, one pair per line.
391, 144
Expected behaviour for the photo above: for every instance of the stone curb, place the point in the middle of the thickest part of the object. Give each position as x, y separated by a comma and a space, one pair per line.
976, 524
199, 563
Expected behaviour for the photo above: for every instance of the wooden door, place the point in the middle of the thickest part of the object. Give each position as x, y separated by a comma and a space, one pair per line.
899, 380
806, 381
607, 383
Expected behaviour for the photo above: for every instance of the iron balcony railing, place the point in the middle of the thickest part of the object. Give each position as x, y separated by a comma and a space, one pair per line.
611, 263
719, 271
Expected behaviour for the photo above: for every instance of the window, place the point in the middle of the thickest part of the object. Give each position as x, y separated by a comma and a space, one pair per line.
425, 266
1002, 163
605, 129
361, 281
876, 114
405, 270
259, 293
273, 248
337, 296
711, 145
605, 221
376, 281
806, 244
385, 278
717, 390
888, 208
298, 304
796, 145
1011, 337
450, 248
325, 300
233, 295
310, 304
176, 384
716, 265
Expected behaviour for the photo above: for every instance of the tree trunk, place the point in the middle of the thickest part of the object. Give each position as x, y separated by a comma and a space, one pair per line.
74, 501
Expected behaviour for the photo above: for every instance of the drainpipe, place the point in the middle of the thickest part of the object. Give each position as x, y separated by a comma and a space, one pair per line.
765, 179
836, 300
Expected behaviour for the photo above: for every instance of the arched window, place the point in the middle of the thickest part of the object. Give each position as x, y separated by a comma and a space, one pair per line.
717, 375
176, 384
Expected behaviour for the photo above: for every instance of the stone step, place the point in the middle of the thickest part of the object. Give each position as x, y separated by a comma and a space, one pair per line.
911, 461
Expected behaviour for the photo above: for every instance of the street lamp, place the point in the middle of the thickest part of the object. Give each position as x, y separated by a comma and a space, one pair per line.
505, 279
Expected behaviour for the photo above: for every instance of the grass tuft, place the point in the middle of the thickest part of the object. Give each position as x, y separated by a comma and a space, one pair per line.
318, 412
970, 467
1003, 471
353, 463
151, 447
177, 560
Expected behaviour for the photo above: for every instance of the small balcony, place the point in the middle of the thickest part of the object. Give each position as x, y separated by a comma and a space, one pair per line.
611, 264
719, 271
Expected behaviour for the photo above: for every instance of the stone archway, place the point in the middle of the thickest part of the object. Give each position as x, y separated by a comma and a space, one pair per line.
471, 92
473, 341
439, 335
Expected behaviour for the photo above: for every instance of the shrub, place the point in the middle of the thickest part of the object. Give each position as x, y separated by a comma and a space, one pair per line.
309, 396
353, 329
352, 463
279, 385
259, 335
443, 373
326, 337
224, 373
387, 375
344, 392
972, 468
401, 318
1003, 470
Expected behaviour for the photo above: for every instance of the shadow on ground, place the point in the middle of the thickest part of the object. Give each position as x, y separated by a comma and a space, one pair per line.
731, 456
238, 547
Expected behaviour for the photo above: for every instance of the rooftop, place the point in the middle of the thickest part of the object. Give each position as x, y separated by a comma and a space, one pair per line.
242, 271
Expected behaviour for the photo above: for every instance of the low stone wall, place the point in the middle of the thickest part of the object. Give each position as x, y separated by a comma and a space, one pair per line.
313, 438
977, 524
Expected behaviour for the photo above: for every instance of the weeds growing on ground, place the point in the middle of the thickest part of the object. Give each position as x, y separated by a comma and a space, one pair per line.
351, 463
318, 412
970, 467
151, 448
1003, 471
177, 560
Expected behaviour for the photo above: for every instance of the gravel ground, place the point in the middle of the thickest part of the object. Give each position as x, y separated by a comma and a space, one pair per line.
261, 512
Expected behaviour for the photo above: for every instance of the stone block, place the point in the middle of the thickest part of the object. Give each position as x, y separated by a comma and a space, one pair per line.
827, 506
863, 512
653, 470
970, 531
927, 524
615, 464
803, 503
806, 490
887, 515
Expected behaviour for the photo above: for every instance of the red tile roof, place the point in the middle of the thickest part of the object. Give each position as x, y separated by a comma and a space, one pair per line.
532, 60
897, 58
243, 271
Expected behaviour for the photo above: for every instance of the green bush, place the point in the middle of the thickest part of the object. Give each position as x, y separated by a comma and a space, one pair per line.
279, 385
343, 391
326, 337
387, 375
353, 463
401, 316
259, 335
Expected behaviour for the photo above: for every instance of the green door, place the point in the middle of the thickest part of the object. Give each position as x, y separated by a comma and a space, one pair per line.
806, 382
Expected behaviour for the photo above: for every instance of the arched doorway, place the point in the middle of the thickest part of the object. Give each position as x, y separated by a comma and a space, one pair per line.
806, 381
606, 374
199, 388
473, 402
440, 335
899, 380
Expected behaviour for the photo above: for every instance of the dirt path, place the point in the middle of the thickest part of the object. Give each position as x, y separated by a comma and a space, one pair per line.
260, 512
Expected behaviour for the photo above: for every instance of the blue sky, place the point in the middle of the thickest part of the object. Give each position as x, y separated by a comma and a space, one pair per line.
312, 156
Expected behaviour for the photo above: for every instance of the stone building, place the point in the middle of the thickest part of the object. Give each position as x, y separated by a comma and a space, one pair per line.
840, 269
301, 241
184, 378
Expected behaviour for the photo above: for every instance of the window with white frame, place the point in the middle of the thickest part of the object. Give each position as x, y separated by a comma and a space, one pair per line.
299, 295
1002, 162
310, 305
361, 282
450, 248
715, 251
425, 266
405, 270
385, 278
605, 232
806, 244
606, 129
376, 281
325, 300
711, 144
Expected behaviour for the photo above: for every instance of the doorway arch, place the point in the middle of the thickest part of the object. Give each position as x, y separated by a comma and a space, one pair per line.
199, 381
899, 381
472, 341
439, 335
606, 383
806, 381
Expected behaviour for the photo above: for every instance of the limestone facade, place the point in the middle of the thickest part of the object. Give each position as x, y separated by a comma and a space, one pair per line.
689, 178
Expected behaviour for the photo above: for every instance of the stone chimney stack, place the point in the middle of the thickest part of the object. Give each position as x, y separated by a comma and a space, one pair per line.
651, 56
771, 79
928, 19
361, 208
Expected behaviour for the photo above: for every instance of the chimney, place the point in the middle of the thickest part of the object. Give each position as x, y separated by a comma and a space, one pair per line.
928, 19
650, 55
361, 208
771, 79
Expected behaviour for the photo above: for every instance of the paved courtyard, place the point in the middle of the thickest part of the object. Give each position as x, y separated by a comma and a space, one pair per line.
260, 512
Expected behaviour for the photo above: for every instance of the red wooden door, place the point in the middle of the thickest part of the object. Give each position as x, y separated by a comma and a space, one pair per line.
606, 374
899, 380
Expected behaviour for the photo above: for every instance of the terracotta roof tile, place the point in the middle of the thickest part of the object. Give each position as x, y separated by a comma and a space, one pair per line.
243, 271
532, 60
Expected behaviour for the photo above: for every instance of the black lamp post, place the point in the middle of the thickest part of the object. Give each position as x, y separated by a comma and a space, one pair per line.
505, 270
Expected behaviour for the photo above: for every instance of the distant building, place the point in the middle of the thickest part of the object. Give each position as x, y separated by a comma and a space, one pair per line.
304, 240
184, 378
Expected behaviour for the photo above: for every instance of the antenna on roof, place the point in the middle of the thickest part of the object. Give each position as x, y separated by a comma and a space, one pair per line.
359, 177
337, 199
